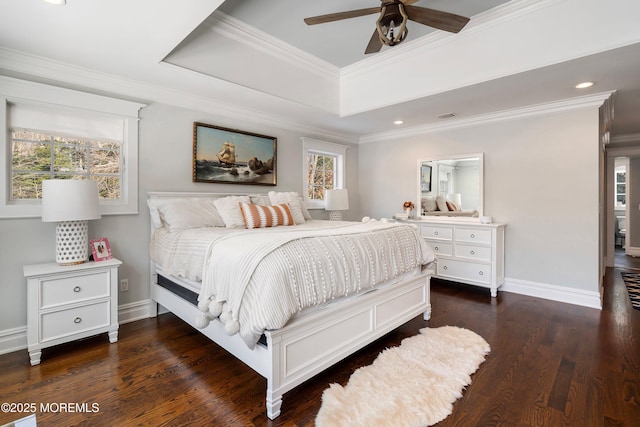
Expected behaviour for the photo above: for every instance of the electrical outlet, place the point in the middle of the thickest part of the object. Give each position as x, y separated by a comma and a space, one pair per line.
124, 285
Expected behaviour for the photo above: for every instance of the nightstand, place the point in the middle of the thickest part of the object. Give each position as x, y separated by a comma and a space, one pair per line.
66, 303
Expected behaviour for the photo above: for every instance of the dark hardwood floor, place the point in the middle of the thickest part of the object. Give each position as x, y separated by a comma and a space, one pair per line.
551, 364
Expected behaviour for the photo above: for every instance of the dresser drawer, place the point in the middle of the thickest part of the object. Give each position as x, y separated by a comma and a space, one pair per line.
80, 287
473, 235
480, 253
437, 232
441, 247
71, 321
464, 270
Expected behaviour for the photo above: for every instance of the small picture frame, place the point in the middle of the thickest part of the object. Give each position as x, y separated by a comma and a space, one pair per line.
100, 249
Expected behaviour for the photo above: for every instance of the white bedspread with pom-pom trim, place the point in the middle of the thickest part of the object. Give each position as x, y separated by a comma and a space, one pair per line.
258, 279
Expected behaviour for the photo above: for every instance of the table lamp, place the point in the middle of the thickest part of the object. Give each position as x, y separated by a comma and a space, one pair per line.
336, 201
71, 203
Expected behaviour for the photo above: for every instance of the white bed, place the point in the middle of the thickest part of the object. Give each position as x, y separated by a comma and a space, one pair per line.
315, 337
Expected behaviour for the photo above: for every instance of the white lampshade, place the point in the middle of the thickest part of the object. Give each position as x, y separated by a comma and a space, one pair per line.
335, 201
69, 200
70, 203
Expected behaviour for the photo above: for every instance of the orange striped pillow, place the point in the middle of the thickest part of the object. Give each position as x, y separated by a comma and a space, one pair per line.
258, 216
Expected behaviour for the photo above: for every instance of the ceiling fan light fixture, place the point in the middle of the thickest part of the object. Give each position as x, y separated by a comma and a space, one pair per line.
392, 23
56, 2
398, 122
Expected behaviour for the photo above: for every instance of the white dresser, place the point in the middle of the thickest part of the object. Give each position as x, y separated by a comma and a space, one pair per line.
467, 252
66, 303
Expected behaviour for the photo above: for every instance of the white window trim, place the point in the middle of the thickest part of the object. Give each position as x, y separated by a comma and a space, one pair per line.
322, 147
26, 92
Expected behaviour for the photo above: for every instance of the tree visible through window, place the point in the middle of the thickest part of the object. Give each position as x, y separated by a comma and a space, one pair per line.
37, 156
321, 174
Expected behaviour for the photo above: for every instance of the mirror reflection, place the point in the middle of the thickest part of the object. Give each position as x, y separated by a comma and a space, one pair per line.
451, 186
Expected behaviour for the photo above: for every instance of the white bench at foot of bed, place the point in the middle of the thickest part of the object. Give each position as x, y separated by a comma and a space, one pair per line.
315, 341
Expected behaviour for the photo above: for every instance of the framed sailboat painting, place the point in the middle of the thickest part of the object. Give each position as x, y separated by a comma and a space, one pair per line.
231, 156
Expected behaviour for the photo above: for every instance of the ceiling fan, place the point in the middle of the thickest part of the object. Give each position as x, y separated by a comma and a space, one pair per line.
391, 26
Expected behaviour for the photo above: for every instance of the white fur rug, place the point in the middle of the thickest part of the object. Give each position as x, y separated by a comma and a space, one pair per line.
414, 384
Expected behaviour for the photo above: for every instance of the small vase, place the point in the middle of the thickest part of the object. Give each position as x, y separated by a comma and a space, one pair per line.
408, 213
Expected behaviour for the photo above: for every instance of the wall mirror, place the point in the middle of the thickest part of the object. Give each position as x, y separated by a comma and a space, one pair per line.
451, 187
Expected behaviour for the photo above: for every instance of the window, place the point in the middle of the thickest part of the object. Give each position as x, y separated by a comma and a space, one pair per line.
52, 132
621, 187
324, 169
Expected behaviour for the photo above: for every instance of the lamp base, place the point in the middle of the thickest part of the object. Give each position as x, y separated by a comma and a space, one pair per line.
335, 215
72, 242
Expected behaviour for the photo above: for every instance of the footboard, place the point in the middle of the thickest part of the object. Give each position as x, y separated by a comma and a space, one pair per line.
308, 345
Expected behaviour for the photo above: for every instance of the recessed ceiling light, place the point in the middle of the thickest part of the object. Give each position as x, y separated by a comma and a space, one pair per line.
56, 2
584, 85
398, 122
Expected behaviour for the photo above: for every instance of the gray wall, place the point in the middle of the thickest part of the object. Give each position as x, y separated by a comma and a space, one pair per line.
165, 165
541, 178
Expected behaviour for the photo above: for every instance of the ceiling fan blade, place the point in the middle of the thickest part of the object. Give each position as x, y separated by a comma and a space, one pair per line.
341, 15
375, 44
437, 19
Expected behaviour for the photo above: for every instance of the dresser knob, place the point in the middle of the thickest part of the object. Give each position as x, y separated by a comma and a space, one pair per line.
77, 320
435, 233
481, 273
436, 248
76, 289
473, 236
473, 252
444, 268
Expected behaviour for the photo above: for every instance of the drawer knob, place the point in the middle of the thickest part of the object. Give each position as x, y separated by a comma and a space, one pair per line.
473, 236
76, 289
473, 252
436, 248
481, 273
435, 233
77, 320
444, 268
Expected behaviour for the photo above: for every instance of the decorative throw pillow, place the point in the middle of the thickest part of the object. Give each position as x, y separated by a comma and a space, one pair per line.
259, 216
229, 210
293, 199
442, 204
429, 204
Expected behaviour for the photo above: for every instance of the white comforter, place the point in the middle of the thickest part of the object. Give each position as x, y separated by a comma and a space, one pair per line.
256, 280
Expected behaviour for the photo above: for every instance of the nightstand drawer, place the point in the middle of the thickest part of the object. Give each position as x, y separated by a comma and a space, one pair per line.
58, 324
441, 248
481, 253
437, 232
80, 287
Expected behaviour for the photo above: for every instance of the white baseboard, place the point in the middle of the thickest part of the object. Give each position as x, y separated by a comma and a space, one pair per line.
134, 311
13, 339
553, 292
16, 339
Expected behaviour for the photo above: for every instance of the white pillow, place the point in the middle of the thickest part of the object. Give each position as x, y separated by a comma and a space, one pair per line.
429, 204
229, 209
442, 203
192, 213
295, 204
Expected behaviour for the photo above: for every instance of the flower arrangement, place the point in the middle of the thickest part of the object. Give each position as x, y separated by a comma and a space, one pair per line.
408, 205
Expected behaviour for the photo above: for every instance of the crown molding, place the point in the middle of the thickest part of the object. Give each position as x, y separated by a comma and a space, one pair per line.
42, 70
228, 26
571, 104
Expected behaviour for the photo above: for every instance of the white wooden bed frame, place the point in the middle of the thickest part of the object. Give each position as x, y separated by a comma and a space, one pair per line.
312, 342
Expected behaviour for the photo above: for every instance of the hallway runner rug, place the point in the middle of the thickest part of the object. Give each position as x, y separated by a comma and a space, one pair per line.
632, 280
414, 384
